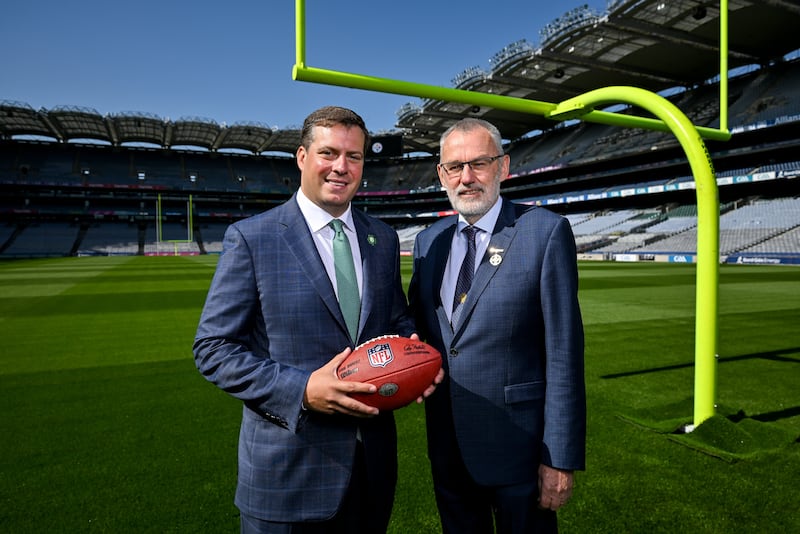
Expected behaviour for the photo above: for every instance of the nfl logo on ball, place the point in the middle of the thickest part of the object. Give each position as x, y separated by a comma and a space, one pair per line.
380, 355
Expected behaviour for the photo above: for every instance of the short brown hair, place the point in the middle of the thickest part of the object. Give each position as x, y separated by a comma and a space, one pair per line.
331, 116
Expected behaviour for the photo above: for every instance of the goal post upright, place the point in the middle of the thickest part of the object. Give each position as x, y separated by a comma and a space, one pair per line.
160, 228
669, 119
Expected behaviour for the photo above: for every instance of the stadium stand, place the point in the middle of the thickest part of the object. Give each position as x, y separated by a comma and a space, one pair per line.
211, 235
7, 232
407, 235
110, 239
42, 239
623, 190
785, 243
739, 229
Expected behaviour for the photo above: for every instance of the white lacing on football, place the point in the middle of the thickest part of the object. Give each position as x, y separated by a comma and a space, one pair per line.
388, 336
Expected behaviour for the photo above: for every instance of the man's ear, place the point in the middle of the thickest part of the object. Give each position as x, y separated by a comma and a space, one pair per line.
442, 176
506, 166
301, 157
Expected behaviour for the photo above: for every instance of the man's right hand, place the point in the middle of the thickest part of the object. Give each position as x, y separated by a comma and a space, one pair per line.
325, 393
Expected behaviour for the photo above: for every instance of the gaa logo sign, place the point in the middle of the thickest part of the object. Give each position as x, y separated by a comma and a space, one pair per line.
380, 355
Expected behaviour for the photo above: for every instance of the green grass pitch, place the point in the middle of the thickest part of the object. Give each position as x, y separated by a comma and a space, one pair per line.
108, 427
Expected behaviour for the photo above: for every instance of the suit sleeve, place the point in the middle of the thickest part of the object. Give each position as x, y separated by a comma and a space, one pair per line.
565, 403
402, 320
231, 348
413, 297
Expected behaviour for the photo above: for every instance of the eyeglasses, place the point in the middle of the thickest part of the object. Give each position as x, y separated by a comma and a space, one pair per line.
478, 165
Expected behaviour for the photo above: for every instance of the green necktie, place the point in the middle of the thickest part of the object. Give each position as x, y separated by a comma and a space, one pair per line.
346, 283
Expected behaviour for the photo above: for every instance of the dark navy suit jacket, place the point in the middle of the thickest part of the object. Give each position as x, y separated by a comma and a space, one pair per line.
514, 396
271, 318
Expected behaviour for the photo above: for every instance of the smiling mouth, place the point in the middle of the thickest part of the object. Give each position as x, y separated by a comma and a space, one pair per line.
336, 183
469, 192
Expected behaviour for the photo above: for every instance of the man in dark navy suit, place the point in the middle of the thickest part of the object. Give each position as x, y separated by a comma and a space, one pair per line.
495, 290
273, 331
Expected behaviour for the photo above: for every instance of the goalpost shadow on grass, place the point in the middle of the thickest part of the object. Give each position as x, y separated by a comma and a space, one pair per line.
730, 434
774, 355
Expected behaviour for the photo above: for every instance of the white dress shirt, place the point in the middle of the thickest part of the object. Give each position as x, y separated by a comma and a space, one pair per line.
317, 220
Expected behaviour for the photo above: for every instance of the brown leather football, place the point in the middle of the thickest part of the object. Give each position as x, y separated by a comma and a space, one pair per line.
401, 369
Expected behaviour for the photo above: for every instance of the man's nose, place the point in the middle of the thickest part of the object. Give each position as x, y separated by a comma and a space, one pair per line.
341, 165
467, 174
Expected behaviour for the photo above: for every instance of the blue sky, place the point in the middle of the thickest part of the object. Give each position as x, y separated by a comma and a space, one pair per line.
232, 61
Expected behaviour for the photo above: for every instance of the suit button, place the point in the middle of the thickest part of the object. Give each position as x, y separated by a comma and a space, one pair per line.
453, 353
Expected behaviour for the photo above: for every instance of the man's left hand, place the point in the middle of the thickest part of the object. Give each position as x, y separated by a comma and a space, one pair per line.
555, 487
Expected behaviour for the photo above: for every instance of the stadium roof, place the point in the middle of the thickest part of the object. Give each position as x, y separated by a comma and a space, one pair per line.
653, 44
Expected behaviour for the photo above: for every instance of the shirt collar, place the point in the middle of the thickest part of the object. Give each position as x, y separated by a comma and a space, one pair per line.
485, 223
317, 218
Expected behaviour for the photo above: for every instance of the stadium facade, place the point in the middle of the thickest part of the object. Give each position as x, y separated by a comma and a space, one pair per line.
75, 182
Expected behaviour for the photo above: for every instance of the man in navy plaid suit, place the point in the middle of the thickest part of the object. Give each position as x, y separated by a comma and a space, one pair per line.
506, 429
311, 458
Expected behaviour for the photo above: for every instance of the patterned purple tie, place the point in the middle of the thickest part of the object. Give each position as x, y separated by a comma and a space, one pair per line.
465, 274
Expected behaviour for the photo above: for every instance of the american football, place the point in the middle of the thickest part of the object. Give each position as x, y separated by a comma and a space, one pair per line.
401, 369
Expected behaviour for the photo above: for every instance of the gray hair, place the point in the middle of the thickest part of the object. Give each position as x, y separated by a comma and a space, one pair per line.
469, 124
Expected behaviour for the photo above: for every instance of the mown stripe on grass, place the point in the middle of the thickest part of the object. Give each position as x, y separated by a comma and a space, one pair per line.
106, 318
110, 302
130, 448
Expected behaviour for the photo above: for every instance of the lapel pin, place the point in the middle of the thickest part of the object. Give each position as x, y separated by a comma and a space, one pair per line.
372, 240
495, 259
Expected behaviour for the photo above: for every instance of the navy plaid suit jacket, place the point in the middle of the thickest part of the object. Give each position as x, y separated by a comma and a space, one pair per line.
271, 318
514, 395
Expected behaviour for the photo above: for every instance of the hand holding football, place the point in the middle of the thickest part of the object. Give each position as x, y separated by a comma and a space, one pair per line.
399, 367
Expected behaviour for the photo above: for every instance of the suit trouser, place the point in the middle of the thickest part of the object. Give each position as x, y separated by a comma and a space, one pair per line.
356, 515
466, 507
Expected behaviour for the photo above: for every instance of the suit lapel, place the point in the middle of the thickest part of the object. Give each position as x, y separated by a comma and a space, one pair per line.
371, 255
502, 236
298, 240
444, 242
441, 251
